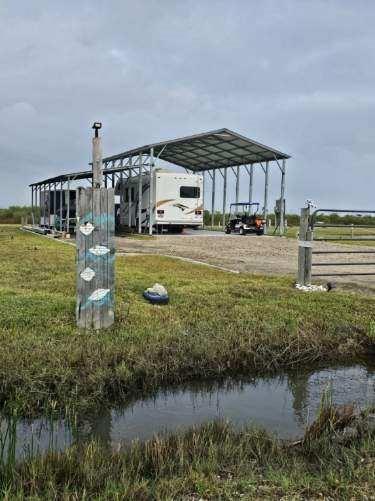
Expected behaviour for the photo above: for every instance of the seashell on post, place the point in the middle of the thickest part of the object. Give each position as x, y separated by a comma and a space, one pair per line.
95, 230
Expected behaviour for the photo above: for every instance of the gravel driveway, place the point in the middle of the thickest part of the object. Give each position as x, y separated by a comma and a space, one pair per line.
264, 255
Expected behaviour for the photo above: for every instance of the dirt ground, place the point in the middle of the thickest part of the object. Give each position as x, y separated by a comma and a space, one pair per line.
252, 254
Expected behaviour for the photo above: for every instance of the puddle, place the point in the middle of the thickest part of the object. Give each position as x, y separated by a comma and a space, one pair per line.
281, 404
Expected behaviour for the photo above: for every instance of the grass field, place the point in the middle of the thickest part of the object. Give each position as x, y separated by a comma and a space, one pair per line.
215, 325
337, 235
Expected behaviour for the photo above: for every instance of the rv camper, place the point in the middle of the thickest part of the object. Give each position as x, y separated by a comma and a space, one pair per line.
175, 198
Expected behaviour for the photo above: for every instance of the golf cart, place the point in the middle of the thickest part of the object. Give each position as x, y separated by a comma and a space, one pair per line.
244, 219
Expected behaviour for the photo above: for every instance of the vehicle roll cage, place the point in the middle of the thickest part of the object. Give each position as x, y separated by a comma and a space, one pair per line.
249, 204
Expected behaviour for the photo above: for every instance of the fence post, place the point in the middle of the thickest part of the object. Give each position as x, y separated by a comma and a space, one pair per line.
304, 248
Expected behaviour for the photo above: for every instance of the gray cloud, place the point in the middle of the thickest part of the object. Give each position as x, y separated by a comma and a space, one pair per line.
297, 75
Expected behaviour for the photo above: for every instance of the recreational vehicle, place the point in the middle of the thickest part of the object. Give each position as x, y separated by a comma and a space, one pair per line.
175, 199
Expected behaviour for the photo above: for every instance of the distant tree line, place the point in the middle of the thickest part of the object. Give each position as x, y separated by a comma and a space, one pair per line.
293, 219
333, 218
15, 213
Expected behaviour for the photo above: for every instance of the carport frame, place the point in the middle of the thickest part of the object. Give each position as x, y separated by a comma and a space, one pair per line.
217, 150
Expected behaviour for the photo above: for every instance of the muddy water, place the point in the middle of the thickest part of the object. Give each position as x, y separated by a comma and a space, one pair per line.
282, 404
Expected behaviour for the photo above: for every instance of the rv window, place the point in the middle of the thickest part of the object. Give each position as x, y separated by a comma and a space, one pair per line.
190, 192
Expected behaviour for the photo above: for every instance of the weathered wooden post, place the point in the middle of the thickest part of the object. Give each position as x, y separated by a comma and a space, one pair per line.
95, 247
304, 248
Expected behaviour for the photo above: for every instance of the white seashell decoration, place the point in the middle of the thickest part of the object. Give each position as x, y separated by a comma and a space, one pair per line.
98, 294
99, 250
87, 274
86, 229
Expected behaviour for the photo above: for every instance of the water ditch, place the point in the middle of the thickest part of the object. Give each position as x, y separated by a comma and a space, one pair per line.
282, 404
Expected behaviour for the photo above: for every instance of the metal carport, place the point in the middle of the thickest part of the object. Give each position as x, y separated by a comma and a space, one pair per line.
211, 152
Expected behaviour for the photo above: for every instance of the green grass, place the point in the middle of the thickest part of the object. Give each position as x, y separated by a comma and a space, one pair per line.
216, 324
210, 462
339, 235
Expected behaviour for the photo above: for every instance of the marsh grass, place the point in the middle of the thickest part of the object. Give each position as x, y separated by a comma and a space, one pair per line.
217, 324
210, 462
8, 443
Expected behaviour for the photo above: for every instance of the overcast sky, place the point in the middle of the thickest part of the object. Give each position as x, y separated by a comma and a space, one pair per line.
297, 75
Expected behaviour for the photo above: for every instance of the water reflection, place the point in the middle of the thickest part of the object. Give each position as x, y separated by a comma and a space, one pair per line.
281, 404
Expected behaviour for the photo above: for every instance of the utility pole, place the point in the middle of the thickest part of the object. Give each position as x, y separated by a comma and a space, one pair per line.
95, 247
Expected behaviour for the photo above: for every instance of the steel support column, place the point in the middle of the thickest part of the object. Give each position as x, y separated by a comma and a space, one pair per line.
130, 193
40, 204
265, 208
237, 183
54, 205
251, 183
68, 208
282, 197
122, 194
213, 197
49, 205
32, 205
151, 193
140, 160
36, 204
44, 204
61, 204
225, 174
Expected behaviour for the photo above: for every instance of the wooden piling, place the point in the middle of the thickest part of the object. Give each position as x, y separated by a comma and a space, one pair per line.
95, 250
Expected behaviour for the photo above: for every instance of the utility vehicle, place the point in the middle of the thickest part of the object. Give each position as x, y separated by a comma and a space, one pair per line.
244, 218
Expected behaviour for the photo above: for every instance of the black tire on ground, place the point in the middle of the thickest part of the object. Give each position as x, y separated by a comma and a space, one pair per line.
228, 231
176, 229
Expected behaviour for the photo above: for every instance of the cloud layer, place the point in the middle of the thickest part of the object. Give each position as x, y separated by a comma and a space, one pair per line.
297, 75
